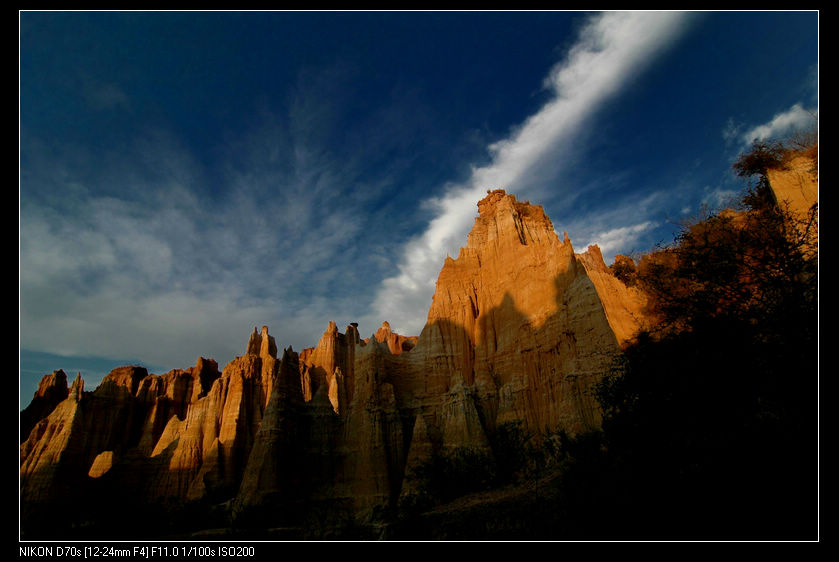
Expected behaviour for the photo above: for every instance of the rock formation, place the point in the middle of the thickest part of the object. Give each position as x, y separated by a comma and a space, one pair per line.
520, 325
89, 433
519, 328
331, 365
795, 187
796, 183
52, 390
271, 476
396, 343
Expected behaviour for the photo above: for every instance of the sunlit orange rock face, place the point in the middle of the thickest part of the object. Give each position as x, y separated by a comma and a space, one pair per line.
396, 343
519, 329
795, 187
796, 184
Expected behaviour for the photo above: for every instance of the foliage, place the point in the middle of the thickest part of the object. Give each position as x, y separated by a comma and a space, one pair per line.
750, 265
709, 424
624, 268
763, 156
515, 454
448, 475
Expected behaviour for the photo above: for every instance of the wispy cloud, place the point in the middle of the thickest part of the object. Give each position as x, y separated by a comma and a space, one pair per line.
129, 253
633, 223
719, 197
780, 125
611, 49
796, 117
617, 240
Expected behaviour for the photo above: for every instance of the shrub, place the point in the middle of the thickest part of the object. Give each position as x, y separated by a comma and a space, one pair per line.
451, 474
763, 156
624, 269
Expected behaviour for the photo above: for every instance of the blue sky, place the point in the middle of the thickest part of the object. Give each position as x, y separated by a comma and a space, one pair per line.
187, 176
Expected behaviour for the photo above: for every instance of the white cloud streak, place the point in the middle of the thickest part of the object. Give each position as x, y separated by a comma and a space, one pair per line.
784, 123
130, 261
611, 49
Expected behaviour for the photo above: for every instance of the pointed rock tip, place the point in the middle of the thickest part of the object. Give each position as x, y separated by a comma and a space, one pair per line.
290, 355
77, 388
56, 378
487, 204
204, 362
595, 257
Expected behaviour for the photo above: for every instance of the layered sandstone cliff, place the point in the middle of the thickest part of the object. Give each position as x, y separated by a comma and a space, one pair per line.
519, 329
520, 325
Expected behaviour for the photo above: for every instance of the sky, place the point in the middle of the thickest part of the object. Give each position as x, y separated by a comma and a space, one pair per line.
187, 176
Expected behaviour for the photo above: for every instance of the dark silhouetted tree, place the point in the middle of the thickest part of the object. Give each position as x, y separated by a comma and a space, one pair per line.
710, 427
